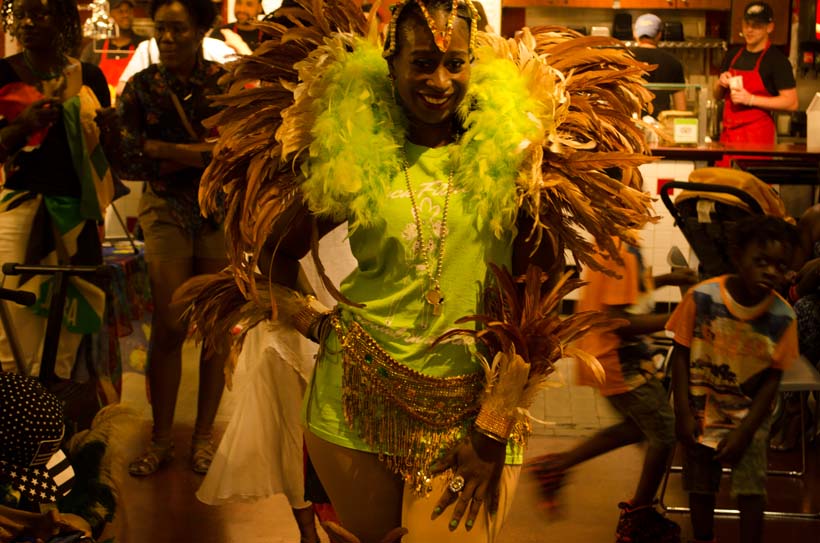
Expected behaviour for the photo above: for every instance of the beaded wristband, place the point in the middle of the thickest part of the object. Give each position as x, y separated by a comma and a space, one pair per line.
306, 318
494, 425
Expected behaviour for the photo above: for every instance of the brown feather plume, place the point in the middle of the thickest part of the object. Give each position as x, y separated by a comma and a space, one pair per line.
522, 318
592, 86
598, 94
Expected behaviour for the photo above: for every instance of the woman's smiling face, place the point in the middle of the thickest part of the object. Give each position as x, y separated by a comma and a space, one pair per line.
430, 83
177, 35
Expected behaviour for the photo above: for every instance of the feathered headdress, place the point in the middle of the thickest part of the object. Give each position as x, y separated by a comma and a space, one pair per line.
549, 113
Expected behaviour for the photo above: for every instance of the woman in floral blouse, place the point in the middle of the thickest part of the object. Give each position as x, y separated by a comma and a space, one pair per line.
164, 143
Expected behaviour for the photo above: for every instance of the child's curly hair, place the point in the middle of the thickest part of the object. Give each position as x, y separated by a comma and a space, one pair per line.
762, 229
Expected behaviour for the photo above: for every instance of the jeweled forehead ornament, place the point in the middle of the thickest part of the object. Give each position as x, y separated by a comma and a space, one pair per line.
443, 36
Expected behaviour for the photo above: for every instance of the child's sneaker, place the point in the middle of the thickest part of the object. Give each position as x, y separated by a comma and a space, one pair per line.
645, 525
549, 477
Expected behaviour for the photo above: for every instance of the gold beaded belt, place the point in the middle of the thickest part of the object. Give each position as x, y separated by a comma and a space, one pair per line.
405, 416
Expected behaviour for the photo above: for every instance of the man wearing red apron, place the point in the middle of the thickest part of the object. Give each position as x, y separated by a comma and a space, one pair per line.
759, 79
112, 55
242, 30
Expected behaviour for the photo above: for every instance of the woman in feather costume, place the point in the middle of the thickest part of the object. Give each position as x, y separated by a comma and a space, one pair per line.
459, 160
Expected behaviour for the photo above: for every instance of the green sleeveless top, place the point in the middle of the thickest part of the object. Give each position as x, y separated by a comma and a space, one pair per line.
391, 280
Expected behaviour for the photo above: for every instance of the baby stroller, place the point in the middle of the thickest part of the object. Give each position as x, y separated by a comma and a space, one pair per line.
710, 203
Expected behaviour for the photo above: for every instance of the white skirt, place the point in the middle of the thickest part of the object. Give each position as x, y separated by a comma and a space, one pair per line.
261, 452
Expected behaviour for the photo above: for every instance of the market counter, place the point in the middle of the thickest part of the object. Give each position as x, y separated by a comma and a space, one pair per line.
778, 164
714, 151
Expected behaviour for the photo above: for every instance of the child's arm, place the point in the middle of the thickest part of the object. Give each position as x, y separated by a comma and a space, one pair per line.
678, 277
685, 425
639, 325
732, 447
650, 323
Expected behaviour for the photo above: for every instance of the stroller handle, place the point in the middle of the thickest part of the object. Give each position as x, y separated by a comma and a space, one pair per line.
21, 297
705, 187
13, 268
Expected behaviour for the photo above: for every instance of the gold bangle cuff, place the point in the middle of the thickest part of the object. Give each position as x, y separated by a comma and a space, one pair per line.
306, 318
491, 435
494, 425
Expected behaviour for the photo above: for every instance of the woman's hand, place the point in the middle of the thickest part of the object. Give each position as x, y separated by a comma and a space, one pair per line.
479, 461
107, 119
38, 116
154, 149
69, 522
45, 526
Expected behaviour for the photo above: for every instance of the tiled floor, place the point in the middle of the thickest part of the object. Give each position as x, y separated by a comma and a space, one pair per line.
163, 509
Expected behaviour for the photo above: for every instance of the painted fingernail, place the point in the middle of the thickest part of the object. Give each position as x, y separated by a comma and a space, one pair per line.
469, 523
453, 524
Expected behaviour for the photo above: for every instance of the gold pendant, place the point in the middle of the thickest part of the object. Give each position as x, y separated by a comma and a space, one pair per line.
435, 299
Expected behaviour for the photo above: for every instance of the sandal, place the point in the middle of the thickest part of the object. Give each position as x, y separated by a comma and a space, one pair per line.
202, 454
548, 477
152, 459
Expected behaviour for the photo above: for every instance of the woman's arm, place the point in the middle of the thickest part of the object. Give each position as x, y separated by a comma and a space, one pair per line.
289, 242
479, 458
38, 116
128, 158
148, 159
278, 261
547, 254
177, 156
15, 523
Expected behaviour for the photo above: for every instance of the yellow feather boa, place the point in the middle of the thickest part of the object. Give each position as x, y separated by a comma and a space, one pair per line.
359, 130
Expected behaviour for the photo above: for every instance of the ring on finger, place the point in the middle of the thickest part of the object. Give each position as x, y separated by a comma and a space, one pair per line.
457, 484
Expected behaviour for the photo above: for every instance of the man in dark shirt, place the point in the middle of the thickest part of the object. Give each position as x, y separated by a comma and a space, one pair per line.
246, 13
112, 54
647, 31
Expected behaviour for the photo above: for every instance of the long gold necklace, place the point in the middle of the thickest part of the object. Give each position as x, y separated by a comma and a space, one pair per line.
433, 295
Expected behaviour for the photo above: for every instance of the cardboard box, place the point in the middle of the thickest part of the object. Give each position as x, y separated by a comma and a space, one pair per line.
813, 124
681, 126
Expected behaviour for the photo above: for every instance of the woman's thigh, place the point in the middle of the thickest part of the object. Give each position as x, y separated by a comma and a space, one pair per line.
366, 495
167, 276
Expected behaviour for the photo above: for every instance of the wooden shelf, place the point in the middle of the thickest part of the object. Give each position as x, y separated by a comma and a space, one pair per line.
687, 44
